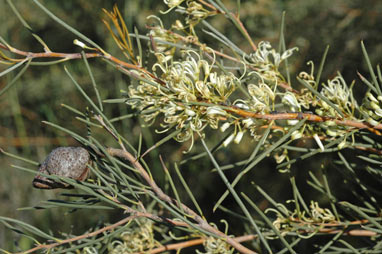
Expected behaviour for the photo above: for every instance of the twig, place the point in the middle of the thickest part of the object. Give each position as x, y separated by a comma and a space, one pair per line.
175, 246
309, 117
182, 245
254, 48
209, 5
336, 227
70, 56
107, 228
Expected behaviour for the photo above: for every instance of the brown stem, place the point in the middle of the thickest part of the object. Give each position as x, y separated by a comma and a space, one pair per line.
309, 117
69, 56
336, 227
175, 246
47, 54
254, 48
182, 245
209, 5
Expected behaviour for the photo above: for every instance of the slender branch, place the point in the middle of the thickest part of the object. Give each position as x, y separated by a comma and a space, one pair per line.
70, 56
176, 246
369, 149
254, 48
47, 54
334, 227
309, 116
182, 245
352, 232
107, 228
158, 191
209, 6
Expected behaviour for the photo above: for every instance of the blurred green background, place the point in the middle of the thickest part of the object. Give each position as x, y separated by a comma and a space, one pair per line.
38, 95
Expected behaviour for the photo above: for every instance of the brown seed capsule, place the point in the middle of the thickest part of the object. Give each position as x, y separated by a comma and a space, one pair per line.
69, 162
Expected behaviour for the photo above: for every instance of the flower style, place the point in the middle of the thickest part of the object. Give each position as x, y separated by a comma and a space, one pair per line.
172, 4
285, 221
262, 96
196, 13
267, 61
290, 100
138, 238
161, 36
214, 245
339, 93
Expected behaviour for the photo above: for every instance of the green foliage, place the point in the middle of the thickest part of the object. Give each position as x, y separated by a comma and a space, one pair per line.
268, 157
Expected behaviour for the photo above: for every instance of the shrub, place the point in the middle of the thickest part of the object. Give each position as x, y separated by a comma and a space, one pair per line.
249, 134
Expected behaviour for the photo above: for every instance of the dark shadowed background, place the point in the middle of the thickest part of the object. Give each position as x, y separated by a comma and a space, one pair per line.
38, 95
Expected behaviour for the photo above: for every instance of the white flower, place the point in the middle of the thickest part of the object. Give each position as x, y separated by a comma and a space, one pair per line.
371, 97
338, 92
342, 144
202, 88
319, 143
229, 140
296, 135
248, 122
216, 111
290, 100
238, 137
224, 127
190, 112
378, 112
173, 3
265, 50
292, 122
372, 121
240, 104
79, 43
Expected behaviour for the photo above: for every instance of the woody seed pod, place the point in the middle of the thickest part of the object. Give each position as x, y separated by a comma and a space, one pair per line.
69, 162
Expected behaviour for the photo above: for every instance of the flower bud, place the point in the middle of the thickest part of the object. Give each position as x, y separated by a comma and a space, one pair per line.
238, 137
224, 127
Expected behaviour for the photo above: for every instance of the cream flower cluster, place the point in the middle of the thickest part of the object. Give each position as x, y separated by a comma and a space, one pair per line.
190, 97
